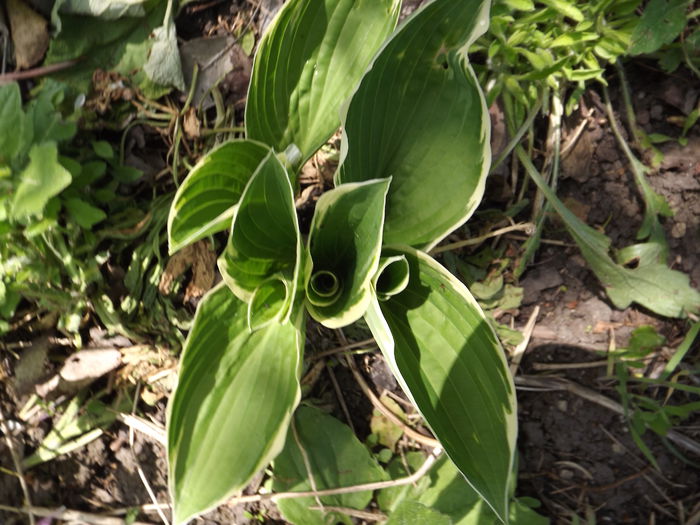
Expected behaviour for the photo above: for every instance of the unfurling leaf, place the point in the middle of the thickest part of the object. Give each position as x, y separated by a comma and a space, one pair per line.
262, 259
344, 247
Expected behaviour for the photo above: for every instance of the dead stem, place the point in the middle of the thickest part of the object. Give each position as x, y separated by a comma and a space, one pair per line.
18, 466
526, 227
377, 485
519, 350
67, 515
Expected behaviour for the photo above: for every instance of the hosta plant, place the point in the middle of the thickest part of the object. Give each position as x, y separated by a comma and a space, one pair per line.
414, 157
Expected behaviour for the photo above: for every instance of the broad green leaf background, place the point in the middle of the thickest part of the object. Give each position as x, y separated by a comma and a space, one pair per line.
308, 64
419, 117
204, 202
344, 245
233, 404
264, 247
450, 363
336, 458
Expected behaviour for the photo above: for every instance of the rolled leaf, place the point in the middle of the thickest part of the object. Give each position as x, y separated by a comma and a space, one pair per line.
419, 116
336, 459
308, 64
344, 248
263, 254
204, 203
229, 415
450, 363
392, 276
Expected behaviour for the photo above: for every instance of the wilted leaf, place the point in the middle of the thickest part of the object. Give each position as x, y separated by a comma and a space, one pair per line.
651, 284
163, 65
30, 33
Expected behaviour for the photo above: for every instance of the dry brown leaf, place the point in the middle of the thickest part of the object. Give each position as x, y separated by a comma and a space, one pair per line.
191, 124
30, 34
202, 259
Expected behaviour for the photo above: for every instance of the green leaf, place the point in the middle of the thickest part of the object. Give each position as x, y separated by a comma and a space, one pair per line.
336, 459
414, 513
233, 403
43, 178
651, 284
264, 249
120, 45
566, 8
11, 121
661, 22
420, 117
163, 65
206, 200
445, 355
106, 9
308, 64
344, 246
83, 213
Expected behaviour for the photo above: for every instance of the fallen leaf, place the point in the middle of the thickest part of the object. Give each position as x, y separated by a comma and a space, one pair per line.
202, 259
30, 34
79, 370
191, 124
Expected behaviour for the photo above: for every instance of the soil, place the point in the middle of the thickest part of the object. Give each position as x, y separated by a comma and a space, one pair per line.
576, 457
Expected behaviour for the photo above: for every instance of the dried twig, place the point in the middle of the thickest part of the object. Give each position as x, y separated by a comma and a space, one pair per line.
377, 485
18, 465
527, 334
376, 402
67, 515
526, 227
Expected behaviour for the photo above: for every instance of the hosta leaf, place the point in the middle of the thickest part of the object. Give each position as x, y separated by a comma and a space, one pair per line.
344, 247
263, 255
204, 203
420, 117
307, 65
43, 178
336, 459
448, 359
445, 490
233, 403
414, 513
